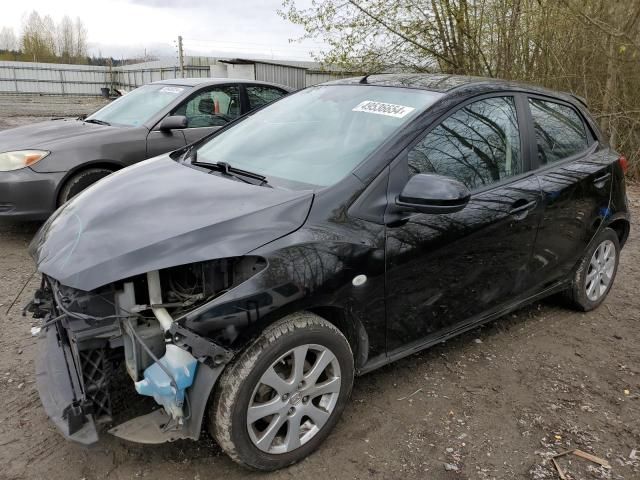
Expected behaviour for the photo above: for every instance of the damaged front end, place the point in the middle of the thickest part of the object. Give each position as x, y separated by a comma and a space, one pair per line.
136, 325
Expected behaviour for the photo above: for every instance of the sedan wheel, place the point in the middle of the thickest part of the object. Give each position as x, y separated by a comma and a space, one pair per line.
80, 181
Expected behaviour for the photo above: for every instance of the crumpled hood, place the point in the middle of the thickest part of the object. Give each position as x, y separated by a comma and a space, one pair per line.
158, 214
45, 134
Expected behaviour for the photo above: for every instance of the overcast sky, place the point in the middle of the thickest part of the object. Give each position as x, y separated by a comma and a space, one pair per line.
122, 28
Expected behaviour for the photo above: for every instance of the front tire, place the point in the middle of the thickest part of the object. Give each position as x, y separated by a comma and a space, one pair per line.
282, 396
80, 181
596, 272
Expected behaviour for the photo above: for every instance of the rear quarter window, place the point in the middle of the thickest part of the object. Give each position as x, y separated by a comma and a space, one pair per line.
560, 131
260, 95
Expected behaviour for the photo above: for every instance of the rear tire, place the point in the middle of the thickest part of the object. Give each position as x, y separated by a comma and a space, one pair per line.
303, 404
80, 181
596, 272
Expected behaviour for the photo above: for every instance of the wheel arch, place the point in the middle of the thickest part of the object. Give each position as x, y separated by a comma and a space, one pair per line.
350, 326
107, 164
622, 227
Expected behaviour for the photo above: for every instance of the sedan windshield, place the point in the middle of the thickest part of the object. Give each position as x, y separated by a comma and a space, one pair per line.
319, 135
138, 106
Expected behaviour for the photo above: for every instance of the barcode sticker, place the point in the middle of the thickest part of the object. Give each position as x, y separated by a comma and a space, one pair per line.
380, 108
171, 90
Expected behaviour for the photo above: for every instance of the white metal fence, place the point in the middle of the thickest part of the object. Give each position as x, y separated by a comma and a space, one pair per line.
47, 78
60, 79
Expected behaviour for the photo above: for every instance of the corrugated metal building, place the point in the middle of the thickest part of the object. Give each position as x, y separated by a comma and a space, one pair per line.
293, 74
264, 71
314, 77
132, 76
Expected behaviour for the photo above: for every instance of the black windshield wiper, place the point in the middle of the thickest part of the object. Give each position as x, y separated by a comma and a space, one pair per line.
227, 169
97, 122
191, 153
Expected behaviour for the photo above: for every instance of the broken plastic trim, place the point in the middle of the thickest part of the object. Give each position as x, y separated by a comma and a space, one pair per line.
167, 379
148, 309
151, 428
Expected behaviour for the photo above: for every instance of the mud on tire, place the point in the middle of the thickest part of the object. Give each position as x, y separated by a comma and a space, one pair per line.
576, 295
241, 380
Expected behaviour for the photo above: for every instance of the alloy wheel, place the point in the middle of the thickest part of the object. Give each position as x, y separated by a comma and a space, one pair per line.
601, 268
293, 399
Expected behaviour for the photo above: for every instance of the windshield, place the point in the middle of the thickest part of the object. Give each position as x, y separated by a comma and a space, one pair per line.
319, 135
138, 106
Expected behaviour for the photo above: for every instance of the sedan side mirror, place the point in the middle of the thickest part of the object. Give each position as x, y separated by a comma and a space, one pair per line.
427, 193
175, 122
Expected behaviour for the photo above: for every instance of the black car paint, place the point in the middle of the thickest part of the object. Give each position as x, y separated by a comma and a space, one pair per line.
474, 234
85, 245
457, 270
32, 193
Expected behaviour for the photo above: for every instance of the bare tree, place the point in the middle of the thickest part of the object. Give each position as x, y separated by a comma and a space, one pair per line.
80, 38
588, 47
8, 39
66, 39
38, 37
43, 40
49, 34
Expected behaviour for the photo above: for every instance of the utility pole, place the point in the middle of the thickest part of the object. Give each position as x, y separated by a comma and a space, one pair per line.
180, 56
111, 75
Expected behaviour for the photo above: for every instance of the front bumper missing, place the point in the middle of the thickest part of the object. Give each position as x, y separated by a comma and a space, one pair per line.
60, 389
151, 428
72, 409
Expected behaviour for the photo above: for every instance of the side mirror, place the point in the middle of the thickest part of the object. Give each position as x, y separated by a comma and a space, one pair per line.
175, 122
427, 193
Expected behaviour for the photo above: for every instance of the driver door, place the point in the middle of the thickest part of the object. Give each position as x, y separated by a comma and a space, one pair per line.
206, 111
209, 109
446, 271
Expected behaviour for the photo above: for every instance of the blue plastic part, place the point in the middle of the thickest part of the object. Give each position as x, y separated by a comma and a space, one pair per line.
605, 212
157, 384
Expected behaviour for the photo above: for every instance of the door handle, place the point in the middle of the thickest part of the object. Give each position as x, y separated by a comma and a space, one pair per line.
602, 178
519, 208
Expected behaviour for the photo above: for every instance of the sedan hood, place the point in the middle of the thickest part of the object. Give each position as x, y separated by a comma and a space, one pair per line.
158, 214
46, 134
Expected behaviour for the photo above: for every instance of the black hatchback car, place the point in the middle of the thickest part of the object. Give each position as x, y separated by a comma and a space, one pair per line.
341, 228
45, 164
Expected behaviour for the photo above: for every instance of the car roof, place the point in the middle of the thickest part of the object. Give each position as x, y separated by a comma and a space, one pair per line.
445, 84
205, 82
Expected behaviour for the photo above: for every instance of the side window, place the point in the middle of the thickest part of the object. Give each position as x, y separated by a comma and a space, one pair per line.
560, 132
261, 95
213, 107
478, 144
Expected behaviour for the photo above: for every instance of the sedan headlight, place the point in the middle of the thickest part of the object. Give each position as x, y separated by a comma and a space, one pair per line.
20, 159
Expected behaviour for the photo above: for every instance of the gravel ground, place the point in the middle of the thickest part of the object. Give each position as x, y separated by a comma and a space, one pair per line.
492, 404
25, 109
